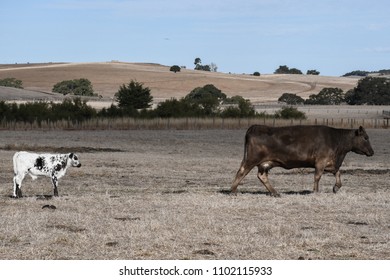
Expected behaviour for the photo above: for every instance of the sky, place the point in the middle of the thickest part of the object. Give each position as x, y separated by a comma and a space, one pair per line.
239, 36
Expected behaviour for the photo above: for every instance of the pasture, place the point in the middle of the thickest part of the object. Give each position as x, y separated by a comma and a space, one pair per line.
163, 194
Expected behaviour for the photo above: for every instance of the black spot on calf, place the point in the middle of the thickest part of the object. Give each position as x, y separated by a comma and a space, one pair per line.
58, 167
39, 163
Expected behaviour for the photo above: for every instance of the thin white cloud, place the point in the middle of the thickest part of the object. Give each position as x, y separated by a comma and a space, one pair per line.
377, 50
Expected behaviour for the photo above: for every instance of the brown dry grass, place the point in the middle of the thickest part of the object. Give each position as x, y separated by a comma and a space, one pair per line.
107, 77
162, 195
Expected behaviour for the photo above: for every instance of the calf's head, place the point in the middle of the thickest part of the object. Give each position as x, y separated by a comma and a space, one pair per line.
74, 160
361, 143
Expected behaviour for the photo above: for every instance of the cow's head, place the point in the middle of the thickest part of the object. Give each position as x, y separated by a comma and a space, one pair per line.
74, 160
361, 143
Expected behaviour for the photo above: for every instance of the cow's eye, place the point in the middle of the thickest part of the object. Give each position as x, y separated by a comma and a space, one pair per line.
75, 157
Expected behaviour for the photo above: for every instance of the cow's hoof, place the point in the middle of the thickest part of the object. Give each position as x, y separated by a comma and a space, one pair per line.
275, 194
335, 189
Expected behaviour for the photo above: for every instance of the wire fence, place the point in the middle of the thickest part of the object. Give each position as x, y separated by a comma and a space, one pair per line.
186, 123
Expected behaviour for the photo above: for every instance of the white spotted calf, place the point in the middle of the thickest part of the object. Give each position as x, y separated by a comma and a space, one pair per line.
49, 165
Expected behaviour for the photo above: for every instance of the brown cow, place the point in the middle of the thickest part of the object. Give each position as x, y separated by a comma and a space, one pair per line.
321, 147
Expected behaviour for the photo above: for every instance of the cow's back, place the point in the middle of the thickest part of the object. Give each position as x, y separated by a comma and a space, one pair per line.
288, 135
290, 146
23, 161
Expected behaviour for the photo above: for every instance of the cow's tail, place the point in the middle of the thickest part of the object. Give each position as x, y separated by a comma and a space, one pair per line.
247, 139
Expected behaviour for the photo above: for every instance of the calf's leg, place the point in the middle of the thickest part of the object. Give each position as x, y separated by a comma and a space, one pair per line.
54, 181
18, 185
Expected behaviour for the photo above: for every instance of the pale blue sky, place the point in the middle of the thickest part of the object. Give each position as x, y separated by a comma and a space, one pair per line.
239, 36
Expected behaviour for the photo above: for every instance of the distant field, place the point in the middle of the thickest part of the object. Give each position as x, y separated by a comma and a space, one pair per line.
106, 78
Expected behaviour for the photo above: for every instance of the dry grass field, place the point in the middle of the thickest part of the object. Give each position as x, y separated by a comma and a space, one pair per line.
108, 76
147, 194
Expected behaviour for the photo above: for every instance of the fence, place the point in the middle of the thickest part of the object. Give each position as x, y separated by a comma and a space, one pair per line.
185, 123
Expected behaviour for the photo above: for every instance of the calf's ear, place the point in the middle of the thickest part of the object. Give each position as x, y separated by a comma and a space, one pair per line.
71, 155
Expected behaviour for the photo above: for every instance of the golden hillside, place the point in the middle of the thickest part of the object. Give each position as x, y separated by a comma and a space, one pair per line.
106, 78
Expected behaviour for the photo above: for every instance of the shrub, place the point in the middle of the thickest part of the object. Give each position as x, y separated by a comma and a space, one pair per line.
11, 82
290, 113
243, 108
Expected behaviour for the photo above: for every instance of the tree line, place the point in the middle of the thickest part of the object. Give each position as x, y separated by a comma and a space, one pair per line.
134, 100
369, 91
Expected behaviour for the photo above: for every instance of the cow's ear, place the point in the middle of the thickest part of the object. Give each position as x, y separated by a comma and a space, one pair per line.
359, 131
71, 155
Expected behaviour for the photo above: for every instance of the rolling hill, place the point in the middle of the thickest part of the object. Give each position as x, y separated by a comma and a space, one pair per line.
106, 77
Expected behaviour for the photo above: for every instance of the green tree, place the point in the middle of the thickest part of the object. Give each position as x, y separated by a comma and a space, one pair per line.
283, 69
133, 96
11, 82
327, 96
243, 108
208, 97
197, 61
81, 87
199, 66
175, 68
291, 99
312, 72
370, 91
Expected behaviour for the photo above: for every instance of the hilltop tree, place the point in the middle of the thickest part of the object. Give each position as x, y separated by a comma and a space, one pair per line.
197, 61
312, 72
283, 69
175, 68
199, 66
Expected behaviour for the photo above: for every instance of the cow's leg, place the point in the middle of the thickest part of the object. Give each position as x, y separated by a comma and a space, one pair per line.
241, 173
18, 178
54, 181
319, 170
263, 177
337, 186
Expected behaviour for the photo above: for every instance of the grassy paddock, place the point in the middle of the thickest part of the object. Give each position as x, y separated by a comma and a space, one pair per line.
163, 194
186, 123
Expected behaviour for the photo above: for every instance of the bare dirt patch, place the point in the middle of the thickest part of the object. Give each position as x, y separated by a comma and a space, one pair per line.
163, 195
